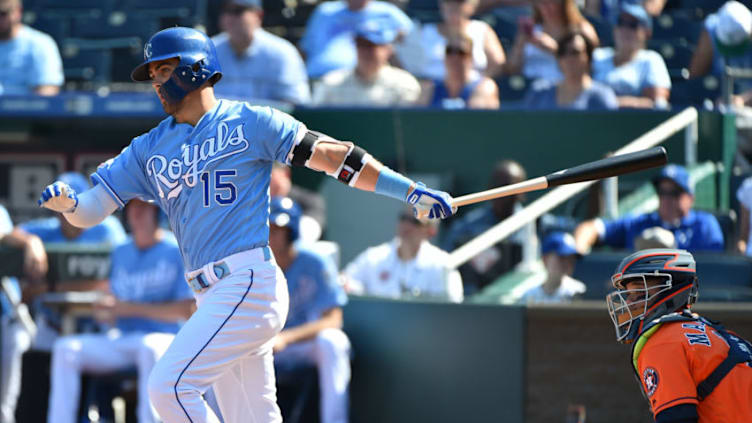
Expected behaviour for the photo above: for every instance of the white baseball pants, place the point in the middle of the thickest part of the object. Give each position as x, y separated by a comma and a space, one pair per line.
227, 345
15, 342
330, 353
101, 353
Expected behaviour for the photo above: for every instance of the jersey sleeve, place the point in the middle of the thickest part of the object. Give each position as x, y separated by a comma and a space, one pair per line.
744, 193
277, 133
712, 234
47, 67
657, 74
124, 176
665, 376
615, 231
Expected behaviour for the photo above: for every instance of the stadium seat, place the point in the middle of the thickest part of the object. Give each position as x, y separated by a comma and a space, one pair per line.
52, 25
424, 10
296, 14
87, 65
505, 27
702, 8
114, 25
697, 91
676, 55
676, 26
188, 13
512, 89
604, 29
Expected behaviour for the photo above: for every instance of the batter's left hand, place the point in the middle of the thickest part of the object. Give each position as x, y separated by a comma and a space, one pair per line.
429, 203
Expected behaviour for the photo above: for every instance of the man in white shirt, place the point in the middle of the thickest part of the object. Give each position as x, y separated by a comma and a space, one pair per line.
559, 258
373, 82
406, 267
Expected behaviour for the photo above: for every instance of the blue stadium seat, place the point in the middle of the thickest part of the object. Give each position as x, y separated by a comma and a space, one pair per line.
186, 12
424, 10
114, 25
676, 26
676, 55
697, 91
52, 25
505, 27
604, 29
512, 89
702, 8
86, 64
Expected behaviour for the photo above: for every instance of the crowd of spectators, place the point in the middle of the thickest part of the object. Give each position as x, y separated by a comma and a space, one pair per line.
371, 53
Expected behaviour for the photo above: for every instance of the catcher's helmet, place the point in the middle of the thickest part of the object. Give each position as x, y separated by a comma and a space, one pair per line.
284, 212
650, 284
198, 61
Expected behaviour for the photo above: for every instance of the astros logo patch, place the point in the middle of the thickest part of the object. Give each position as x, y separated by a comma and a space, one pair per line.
650, 376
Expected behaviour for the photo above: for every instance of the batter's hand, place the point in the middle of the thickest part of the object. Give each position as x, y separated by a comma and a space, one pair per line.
429, 203
59, 197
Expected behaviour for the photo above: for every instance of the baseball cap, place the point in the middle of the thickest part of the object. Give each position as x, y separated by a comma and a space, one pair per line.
376, 31
677, 174
638, 12
560, 243
733, 29
76, 181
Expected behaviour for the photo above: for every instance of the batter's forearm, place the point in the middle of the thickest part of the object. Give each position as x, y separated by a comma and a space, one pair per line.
94, 206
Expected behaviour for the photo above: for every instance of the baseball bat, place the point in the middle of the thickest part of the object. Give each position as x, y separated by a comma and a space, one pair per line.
599, 169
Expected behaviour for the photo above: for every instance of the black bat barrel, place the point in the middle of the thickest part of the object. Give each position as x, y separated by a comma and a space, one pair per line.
608, 167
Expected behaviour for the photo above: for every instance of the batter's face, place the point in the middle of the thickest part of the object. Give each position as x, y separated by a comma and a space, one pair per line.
160, 72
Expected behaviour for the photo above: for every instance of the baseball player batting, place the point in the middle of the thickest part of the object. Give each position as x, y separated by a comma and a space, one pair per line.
208, 166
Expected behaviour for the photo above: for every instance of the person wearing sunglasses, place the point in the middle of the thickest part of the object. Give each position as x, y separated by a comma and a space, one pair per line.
577, 90
463, 87
637, 75
30, 58
256, 64
407, 267
693, 230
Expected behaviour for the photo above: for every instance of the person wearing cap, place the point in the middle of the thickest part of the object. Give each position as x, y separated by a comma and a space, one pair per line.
637, 75
423, 52
462, 87
145, 302
559, 258
726, 41
31, 59
407, 267
373, 82
256, 64
693, 230
313, 331
328, 42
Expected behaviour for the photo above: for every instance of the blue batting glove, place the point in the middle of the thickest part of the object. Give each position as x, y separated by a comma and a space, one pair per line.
429, 203
59, 197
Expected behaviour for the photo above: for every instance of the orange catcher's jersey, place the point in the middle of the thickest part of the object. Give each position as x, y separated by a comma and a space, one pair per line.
680, 355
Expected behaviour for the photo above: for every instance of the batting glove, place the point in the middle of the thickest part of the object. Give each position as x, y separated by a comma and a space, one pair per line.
429, 203
59, 197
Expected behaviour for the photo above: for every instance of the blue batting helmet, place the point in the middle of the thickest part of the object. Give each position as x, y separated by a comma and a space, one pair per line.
283, 212
198, 61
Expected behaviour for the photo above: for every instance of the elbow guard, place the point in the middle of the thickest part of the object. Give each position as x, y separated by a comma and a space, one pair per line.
349, 170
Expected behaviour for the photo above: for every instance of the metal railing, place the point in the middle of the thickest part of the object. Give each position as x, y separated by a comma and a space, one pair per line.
687, 118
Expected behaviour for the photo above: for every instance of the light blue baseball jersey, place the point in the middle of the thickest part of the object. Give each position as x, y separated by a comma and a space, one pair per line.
269, 69
329, 41
312, 282
646, 69
110, 231
153, 275
29, 60
212, 180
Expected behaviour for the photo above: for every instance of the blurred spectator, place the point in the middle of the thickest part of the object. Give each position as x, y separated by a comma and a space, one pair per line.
576, 413
534, 47
148, 298
693, 230
313, 221
57, 230
558, 286
423, 54
312, 334
32, 60
409, 266
462, 87
256, 64
15, 333
491, 263
577, 90
655, 237
725, 41
328, 41
638, 76
744, 195
373, 82
609, 9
